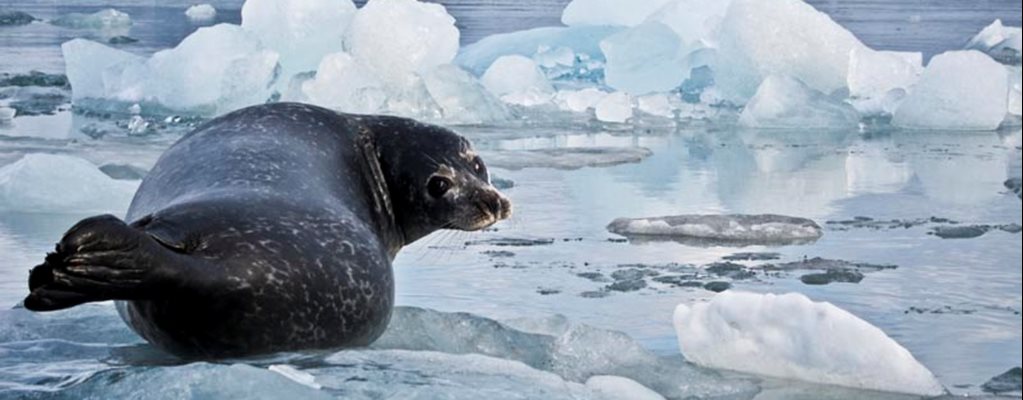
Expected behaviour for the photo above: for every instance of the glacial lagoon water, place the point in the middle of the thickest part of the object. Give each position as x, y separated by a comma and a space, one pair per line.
954, 303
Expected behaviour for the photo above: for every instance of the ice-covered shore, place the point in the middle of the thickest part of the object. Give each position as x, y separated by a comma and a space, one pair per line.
787, 64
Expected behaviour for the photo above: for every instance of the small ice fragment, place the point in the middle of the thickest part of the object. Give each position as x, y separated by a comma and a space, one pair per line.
137, 126
104, 19
579, 100
47, 183
616, 387
875, 73
615, 108
783, 102
1000, 42
791, 337
959, 90
397, 38
302, 32
646, 59
135, 109
658, 105
609, 12
201, 13
518, 80
724, 228
462, 99
296, 375
343, 84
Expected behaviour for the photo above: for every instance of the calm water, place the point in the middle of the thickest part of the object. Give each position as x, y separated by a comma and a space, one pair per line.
973, 283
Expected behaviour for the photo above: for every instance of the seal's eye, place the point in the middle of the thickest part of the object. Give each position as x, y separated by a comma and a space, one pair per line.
478, 167
438, 186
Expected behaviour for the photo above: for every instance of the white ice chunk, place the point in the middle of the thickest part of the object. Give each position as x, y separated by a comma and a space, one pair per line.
609, 12
783, 102
518, 80
103, 19
548, 57
781, 37
959, 90
95, 70
791, 337
47, 183
343, 84
302, 32
583, 40
697, 22
724, 228
874, 74
193, 75
579, 100
616, 387
397, 38
658, 105
7, 115
1000, 42
462, 99
301, 377
615, 108
201, 13
646, 59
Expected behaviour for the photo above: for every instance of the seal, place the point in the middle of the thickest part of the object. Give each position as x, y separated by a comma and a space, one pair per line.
270, 229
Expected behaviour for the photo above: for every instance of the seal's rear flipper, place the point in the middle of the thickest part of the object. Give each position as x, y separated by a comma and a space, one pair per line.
100, 258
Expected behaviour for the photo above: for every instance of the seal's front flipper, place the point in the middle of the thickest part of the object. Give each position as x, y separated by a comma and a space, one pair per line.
100, 258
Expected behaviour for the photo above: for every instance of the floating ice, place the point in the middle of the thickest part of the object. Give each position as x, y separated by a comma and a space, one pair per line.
104, 19
6, 115
583, 40
548, 57
567, 158
959, 90
645, 59
61, 184
397, 38
462, 99
302, 32
1000, 42
616, 387
878, 80
697, 22
201, 13
343, 84
724, 228
615, 108
218, 67
579, 100
791, 337
783, 103
658, 105
518, 80
609, 12
304, 378
96, 71
781, 37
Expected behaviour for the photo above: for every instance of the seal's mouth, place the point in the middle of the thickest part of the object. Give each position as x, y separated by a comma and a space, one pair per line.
490, 209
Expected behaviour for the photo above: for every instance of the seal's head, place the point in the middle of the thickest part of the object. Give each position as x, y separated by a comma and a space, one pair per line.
436, 180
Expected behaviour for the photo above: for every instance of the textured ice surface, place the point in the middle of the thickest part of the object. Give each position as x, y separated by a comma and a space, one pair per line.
548, 57
789, 336
217, 64
201, 13
609, 12
46, 183
959, 90
615, 108
302, 32
518, 80
103, 19
725, 228
583, 40
616, 387
398, 38
579, 100
782, 102
875, 74
781, 37
999, 41
344, 84
461, 98
645, 59
98, 71
697, 22
658, 105
566, 158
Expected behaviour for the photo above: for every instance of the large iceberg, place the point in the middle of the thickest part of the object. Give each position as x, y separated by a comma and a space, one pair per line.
786, 103
609, 12
518, 80
791, 337
645, 59
760, 38
47, 183
343, 84
1000, 42
959, 90
697, 22
398, 38
302, 32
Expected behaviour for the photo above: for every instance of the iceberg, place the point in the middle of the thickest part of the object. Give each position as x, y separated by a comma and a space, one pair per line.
760, 38
579, 100
301, 32
584, 41
759, 229
343, 84
878, 80
518, 80
462, 99
959, 90
97, 71
200, 13
104, 19
1000, 42
398, 38
791, 337
609, 12
645, 59
787, 103
697, 22
47, 183
614, 108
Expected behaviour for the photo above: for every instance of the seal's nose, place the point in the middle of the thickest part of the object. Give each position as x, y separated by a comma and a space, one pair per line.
496, 204
505, 211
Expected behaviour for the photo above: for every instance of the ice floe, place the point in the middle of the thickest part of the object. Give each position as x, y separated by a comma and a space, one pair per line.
7, 115
47, 183
615, 107
791, 337
782, 102
879, 80
962, 90
566, 158
103, 19
201, 13
1000, 42
764, 229
518, 80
